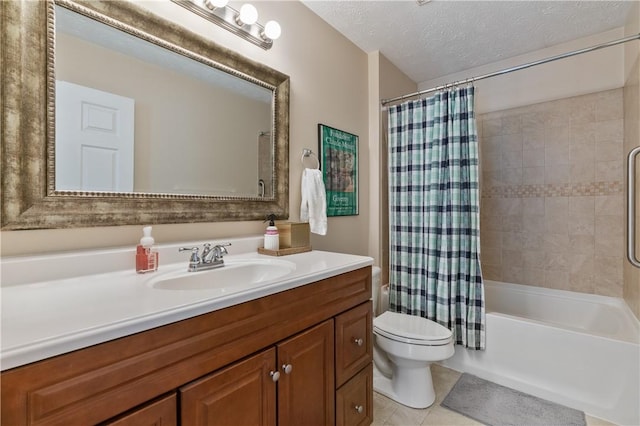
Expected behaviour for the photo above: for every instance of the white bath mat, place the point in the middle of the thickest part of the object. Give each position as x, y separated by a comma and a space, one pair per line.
496, 405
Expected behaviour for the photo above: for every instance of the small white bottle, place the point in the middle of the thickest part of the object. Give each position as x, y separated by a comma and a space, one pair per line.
271, 236
146, 254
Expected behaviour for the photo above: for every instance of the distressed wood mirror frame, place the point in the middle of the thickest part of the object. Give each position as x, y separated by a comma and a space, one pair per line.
29, 199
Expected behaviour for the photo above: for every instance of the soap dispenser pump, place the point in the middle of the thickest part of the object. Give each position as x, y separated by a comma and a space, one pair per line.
146, 254
271, 236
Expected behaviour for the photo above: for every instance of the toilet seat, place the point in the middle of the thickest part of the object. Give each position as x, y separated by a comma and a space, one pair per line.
411, 329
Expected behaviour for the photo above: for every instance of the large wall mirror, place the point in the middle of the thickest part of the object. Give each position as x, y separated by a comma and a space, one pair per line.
115, 116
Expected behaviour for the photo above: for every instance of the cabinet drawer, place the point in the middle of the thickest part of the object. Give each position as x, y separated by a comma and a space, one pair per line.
162, 411
354, 348
354, 400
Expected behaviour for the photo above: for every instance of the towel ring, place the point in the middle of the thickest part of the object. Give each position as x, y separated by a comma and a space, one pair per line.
306, 152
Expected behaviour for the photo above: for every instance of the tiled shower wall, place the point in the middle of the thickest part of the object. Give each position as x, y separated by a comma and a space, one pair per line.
552, 204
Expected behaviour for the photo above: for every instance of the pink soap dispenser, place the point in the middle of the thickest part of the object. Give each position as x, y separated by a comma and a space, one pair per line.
271, 235
146, 254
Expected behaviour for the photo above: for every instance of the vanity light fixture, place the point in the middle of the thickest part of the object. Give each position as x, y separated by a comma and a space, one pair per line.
243, 23
212, 4
248, 15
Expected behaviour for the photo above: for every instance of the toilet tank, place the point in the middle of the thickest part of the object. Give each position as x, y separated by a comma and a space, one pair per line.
380, 293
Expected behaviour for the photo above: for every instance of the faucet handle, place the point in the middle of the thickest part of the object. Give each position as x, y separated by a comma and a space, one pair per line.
194, 259
191, 249
220, 250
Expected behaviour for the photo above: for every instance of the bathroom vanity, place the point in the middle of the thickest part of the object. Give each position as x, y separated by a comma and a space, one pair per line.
300, 352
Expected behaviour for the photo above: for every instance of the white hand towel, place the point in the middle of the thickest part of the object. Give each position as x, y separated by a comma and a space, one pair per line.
314, 201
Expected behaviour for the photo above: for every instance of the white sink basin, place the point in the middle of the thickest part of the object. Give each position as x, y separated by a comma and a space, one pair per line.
233, 276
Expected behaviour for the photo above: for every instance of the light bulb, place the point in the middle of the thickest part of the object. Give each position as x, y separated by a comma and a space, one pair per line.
272, 30
213, 4
248, 14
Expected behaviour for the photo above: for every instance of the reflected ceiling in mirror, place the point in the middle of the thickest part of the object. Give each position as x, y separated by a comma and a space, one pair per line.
235, 169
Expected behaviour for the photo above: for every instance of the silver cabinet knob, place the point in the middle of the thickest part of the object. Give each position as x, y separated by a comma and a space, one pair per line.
275, 375
359, 409
358, 341
287, 368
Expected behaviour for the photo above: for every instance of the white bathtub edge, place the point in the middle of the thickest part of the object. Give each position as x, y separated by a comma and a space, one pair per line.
597, 374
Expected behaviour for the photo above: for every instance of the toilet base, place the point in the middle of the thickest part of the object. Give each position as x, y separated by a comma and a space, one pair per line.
416, 390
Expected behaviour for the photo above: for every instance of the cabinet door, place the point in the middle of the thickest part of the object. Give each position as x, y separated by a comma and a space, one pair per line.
241, 394
162, 412
306, 392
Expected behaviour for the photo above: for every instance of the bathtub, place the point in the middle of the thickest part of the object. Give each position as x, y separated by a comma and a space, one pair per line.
576, 349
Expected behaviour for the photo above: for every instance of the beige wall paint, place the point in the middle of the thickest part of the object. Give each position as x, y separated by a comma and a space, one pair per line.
328, 85
631, 289
375, 215
385, 81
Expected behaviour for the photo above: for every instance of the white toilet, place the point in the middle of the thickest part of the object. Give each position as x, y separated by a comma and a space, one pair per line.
404, 346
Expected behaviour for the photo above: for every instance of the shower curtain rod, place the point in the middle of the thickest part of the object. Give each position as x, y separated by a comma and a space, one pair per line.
512, 69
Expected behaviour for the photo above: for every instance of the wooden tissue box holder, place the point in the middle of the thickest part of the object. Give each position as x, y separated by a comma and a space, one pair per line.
294, 234
294, 238
285, 251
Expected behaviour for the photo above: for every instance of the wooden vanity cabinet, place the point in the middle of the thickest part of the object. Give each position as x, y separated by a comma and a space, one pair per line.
220, 362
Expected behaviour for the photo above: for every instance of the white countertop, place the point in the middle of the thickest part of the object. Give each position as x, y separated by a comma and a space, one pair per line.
41, 319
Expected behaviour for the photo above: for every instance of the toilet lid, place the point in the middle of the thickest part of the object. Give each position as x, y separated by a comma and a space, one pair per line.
411, 329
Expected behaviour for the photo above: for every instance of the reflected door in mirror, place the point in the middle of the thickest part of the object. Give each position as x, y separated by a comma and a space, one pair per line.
94, 139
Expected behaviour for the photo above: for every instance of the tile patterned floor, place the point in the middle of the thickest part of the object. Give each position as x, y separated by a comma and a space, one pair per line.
389, 413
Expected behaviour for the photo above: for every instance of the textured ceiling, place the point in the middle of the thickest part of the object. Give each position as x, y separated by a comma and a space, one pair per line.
444, 36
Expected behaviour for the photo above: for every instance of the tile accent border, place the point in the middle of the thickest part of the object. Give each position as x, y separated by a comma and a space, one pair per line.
553, 190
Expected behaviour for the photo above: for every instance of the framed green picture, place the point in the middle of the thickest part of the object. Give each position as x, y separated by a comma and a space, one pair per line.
339, 164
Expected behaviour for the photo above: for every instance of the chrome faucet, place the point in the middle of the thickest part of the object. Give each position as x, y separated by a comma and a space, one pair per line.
211, 256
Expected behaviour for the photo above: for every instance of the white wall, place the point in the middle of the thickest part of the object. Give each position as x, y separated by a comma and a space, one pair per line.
587, 73
328, 85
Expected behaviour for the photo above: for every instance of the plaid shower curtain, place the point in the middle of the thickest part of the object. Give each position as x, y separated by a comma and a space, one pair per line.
434, 221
